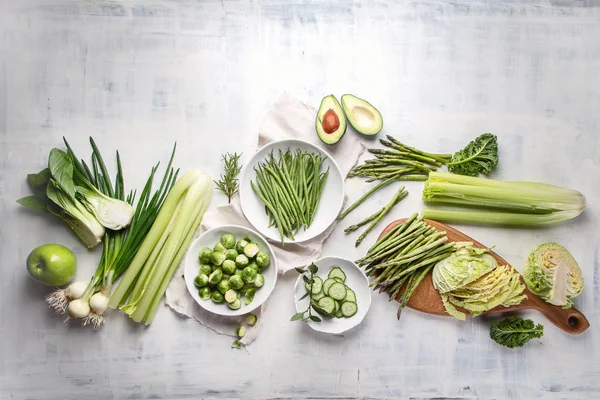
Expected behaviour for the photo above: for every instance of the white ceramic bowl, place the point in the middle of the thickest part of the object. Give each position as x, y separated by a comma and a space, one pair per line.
329, 206
209, 239
355, 279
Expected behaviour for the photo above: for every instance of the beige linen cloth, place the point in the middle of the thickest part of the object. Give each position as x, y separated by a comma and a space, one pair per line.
287, 118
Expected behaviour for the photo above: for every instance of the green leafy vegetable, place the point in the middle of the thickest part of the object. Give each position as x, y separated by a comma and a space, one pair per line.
552, 273
515, 331
479, 157
61, 169
228, 184
472, 279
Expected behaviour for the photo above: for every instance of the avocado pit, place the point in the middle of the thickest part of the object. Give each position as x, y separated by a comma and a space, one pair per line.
331, 122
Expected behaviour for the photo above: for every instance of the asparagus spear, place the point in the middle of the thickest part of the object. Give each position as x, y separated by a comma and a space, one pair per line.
400, 194
364, 197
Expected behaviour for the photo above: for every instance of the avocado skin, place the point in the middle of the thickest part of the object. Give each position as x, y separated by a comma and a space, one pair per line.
330, 103
349, 102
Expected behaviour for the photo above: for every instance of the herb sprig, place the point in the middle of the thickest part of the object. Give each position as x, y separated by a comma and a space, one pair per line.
309, 280
228, 184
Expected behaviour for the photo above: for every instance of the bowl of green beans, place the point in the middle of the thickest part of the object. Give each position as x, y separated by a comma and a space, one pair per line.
291, 191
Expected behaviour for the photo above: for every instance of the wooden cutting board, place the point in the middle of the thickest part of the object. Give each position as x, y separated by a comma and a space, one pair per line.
427, 299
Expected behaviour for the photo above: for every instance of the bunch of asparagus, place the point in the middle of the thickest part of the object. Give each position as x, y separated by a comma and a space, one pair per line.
290, 187
405, 255
401, 162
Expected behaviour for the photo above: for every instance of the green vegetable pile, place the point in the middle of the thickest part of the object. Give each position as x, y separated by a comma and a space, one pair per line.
331, 298
498, 202
552, 273
405, 255
515, 331
231, 270
472, 279
290, 187
399, 161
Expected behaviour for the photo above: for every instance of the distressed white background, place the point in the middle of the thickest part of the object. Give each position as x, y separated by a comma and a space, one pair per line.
139, 75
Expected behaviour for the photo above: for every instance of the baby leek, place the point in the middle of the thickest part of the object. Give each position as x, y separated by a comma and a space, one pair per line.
145, 281
512, 203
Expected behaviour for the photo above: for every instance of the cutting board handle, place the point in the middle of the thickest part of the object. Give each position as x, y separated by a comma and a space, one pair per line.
569, 320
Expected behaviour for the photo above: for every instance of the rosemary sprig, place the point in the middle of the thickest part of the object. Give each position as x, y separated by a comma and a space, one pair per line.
229, 183
307, 314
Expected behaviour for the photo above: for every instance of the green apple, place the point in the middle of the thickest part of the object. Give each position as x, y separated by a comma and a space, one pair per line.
52, 265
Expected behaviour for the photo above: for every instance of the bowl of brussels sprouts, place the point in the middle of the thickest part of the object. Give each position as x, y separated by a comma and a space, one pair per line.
230, 270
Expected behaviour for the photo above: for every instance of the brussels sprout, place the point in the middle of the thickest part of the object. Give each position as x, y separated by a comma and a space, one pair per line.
231, 254
236, 282
249, 274
228, 240
228, 267
262, 259
219, 248
236, 344
217, 257
231, 296
235, 305
204, 293
225, 276
552, 273
215, 277
241, 261
251, 319
214, 267
216, 296
201, 280
204, 255
259, 280
254, 266
251, 249
206, 269
249, 295
248, 239
240, 246
223, 286
238, 271
240, 331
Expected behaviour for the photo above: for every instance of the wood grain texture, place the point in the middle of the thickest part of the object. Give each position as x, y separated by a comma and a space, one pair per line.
140, 74
427, 299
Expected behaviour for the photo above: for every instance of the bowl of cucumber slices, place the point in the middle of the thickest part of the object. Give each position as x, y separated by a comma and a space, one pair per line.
339, 295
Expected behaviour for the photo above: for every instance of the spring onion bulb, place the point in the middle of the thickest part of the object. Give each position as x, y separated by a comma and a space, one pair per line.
145, 281
59, 300
79, 309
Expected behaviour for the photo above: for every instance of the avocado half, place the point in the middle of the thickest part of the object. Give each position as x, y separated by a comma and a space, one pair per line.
331, 122
363, 117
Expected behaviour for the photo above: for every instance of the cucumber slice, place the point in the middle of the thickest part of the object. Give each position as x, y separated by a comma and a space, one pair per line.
350, 295
327, 304
337, 291
337, 278
327, 284
337, 272
339, 314
318, 283
337, 307
349, 309
318, 296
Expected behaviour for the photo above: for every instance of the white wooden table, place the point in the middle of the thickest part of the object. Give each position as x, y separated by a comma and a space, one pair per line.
138, 75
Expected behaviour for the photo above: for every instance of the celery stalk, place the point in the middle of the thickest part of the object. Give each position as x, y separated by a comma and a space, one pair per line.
497, 218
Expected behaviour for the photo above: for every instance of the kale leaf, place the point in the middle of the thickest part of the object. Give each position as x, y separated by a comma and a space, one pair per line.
479, 157
515, 331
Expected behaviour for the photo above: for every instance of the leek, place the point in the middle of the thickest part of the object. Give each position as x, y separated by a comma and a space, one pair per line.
511, 203
146, 279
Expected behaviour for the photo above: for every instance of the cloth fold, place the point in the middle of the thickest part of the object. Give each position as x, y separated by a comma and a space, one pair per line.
287, 118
